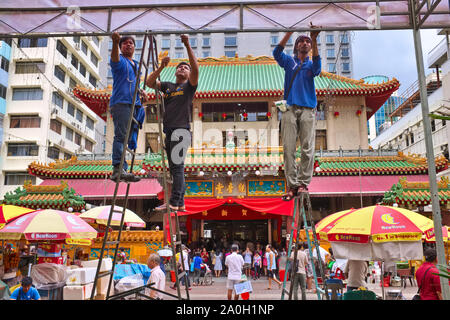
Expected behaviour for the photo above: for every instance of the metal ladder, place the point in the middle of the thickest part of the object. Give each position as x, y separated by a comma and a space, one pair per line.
299, 211
107, 243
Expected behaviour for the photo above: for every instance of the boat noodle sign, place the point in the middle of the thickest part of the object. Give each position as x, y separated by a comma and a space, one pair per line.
357, 238
44, 236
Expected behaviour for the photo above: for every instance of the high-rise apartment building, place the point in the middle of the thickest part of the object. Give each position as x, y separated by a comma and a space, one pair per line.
5, 57
43, 120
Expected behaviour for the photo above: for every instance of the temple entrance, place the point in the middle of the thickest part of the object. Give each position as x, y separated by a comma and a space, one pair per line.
238, 230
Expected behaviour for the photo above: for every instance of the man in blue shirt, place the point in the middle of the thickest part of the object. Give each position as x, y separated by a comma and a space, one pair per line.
26, 291
124, 69
299, 118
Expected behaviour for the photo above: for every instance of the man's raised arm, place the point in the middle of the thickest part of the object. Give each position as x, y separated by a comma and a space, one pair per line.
193, 77
152, 79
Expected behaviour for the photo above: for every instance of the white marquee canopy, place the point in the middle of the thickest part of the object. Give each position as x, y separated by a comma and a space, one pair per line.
25, 17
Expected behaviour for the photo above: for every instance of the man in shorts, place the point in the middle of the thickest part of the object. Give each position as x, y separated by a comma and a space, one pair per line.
234, 262
271, 267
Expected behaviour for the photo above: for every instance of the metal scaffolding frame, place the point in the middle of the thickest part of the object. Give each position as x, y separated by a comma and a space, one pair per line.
418, 13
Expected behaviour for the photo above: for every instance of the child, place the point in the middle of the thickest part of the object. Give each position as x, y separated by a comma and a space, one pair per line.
257, 265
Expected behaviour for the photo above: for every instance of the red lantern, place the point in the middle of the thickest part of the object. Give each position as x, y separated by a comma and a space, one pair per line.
268, 114
358, 112
200, 114
224, 115
336, 114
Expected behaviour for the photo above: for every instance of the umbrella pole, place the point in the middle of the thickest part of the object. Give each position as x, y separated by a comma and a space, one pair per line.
382, 279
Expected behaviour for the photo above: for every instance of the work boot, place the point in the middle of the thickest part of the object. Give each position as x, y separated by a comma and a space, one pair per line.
124, 176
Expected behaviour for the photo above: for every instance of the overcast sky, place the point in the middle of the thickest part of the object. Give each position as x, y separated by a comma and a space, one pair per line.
390, 53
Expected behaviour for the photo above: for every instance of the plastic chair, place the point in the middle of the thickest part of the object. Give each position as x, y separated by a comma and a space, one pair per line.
359, 295
336, 286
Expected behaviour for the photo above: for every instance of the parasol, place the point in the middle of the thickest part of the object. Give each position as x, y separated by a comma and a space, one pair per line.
48, 225
9, 212
100, 215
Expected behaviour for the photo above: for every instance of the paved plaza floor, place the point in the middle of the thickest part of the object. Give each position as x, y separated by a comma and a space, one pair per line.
218, 291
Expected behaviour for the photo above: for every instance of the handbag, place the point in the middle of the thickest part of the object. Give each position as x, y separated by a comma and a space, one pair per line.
282, 104
417, 295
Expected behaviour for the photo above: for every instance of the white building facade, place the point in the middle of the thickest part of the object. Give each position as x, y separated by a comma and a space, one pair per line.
407, 134
43, 120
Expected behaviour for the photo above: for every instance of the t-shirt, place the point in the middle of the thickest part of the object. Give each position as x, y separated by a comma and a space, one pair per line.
157, 277
177, 104
247, 257
31, 294
302, 261
234, 262
430, 284
197, 262
124, 81
357, 271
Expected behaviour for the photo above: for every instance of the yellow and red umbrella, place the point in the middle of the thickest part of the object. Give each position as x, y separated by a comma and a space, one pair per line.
375, 232
48, 225
9, 212
100, 215
430, 236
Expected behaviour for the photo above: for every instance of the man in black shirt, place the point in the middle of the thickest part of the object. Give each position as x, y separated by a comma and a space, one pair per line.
178, 98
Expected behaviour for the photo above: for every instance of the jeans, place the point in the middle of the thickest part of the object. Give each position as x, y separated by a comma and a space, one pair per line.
197, 273
121, 114
299, 278
257, 271
183, 282
177, 142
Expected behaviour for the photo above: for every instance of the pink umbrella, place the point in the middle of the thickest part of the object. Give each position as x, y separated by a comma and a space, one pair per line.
48, 225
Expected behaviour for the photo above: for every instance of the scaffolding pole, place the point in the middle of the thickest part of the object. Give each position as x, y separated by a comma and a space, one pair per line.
437, 218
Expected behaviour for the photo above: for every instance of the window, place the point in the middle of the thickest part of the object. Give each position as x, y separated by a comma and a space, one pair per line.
94, 59
77, 139
84, 47
27, 94
74, 61
18, 178
55, 125
206, 42
53, 153
58, 99
110, 43
23, 150
72, 83
83, 70
345, 52
178, 43
61, 48
7, 41
60, 74
79, 115
71, 109
67, 156
2, 92
88, 145
92, 80
274, 40
412, 138
193, 42
69, 134
165, 44
96, 40
344, 38
32, 42
230, 53
331, 67
4, 63
317, 39
25, 122
233, 112
444, 123
139, 44
230, 41
433, 125
407, 140
89, 123
206, 54
76, 40
329, 38
330, 53
179, 55
29, 67
137, 57
345, 67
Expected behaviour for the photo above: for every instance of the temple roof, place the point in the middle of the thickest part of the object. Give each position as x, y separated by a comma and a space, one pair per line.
241, 159
417, 194
251, 77
45, 197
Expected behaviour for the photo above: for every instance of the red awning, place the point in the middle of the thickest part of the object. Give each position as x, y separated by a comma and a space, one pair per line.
341, 186
98, 188
267, 205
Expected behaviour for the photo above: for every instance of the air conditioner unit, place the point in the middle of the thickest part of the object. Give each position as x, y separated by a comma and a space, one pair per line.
73, 124
77, 46
61, 143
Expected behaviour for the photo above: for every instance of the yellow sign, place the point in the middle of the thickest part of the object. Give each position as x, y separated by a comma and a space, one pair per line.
81, 242
386, 237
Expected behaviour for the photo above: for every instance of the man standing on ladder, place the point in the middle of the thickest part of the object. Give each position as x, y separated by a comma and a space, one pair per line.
299, 118
123, 69
178, 98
